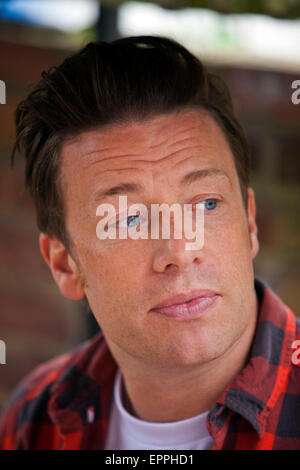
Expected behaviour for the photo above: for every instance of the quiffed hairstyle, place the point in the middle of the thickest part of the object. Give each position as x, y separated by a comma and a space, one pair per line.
133, 78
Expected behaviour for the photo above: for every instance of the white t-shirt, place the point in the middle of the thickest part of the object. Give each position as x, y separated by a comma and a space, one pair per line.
126, 432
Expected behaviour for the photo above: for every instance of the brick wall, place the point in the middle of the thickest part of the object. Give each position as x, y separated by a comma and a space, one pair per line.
36, 321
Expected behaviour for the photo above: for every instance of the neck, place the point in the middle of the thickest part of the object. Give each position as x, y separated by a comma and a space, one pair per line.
155, 396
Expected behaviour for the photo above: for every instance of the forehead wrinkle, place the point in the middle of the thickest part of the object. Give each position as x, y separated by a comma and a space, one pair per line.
172, 136
143, 141
88, 155
143, 151
117, 170
138, 159
109, 158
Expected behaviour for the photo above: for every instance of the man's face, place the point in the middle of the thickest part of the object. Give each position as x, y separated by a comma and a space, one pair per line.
125, 278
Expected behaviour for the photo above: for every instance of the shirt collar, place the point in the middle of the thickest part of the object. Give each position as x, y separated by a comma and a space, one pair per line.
256, 389
83, 393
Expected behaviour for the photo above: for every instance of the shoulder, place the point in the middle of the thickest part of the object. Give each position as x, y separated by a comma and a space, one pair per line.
298, 326
26, 411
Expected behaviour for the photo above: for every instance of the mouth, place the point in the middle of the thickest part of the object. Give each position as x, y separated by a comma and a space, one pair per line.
186, 306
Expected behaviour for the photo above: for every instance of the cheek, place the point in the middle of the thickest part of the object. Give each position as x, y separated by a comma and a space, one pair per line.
114, 275
114, 290
229, 240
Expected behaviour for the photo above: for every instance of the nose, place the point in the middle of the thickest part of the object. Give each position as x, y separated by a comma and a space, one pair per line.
172, 254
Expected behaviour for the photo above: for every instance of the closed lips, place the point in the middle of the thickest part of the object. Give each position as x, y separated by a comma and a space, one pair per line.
185, 298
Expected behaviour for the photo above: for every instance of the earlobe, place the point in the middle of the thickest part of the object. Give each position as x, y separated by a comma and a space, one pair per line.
254, 245
64, 270
252, 223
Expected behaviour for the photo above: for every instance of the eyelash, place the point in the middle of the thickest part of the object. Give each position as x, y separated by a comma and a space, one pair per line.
209, 199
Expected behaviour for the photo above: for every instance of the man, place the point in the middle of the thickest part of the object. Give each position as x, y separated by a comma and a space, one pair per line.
195, 352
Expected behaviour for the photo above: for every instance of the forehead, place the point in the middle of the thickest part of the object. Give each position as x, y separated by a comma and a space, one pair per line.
160, 143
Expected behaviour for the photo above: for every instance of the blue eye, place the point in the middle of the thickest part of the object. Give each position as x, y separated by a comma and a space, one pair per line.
132, 218
128, 220
210, 204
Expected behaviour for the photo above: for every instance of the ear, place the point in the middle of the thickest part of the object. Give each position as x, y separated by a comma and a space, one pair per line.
64, 269
252, 223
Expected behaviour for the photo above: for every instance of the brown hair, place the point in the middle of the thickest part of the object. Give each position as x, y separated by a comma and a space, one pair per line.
107, 83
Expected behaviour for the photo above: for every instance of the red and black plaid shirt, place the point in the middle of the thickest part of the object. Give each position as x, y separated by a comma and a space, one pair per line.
65, 402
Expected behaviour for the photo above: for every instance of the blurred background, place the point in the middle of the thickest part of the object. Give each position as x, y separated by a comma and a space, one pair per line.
254, 45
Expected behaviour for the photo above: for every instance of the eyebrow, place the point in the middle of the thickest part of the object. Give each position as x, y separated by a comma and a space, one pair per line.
204, 173
187, 179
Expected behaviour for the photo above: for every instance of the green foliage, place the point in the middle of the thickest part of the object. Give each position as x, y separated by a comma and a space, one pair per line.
289, 9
